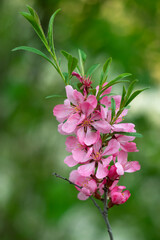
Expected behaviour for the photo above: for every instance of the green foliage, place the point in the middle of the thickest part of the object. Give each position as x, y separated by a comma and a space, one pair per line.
135, 94
50, 30
92, 69
33, 18
113, 107
105, 71
82, 59
72, 64
133, 134
54, 96
34, 50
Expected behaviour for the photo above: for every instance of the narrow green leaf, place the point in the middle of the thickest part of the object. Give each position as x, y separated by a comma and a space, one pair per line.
133, 134
106, 68
36, 25
50, 30
66, 54
36, 51
92, 69
130, 88
113, 107
135, 94
110, 94
82, 58
34, 14
123, 96
113, 82
66, 76
72, 63
55, 96
102, 105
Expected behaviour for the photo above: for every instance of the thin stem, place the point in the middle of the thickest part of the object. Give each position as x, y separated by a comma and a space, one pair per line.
105, 214
56, 62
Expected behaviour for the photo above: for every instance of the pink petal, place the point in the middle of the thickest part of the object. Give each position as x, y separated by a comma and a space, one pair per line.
70, 125
87, 169
126, 195
129, 147
92, 185
124, 127
106, 161
122, 157
69, 93
112, 148
92, 101
87, 108
81, 156
102, 125
77, 76
91, 137
70, 161
132, 166
60, 129
101, 171
73, 176
97, 146
62, 112
81, 135
82, 196
120, 170
71, 143
79, 98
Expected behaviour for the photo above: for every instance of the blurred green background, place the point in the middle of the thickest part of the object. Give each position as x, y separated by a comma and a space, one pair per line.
33, 204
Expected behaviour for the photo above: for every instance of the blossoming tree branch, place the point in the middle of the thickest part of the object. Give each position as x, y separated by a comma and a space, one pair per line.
92, 119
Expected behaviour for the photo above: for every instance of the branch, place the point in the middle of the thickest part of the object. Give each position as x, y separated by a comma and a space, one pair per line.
66, 179
105, 214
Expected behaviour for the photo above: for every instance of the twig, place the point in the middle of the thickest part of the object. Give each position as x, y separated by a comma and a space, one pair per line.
105, 214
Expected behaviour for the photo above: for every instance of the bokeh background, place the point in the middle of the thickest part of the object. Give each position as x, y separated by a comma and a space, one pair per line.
33, 204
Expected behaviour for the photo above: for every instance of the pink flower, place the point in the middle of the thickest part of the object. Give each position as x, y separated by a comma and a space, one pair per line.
118, 196
126, 166
86, 82
70, 114
88, 185
80, 153
98, 160
91, 126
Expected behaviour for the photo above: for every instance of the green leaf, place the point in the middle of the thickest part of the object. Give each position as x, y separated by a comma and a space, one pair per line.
82, 58
110, 94
123, 96
130, 88
55, 96
102, 105
50, 30
33, 18
106, 68
111, 83
72, 63
135, 94
113, 107
133, 134
66, 54
36, 51
92, 69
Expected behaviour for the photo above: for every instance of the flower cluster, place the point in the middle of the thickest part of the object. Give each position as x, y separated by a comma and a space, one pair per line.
98, 141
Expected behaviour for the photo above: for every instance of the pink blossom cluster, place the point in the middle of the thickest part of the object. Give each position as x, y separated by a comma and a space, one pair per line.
96, 142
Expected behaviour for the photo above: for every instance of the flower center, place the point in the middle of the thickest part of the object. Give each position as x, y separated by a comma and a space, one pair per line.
86, 122
96, 156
